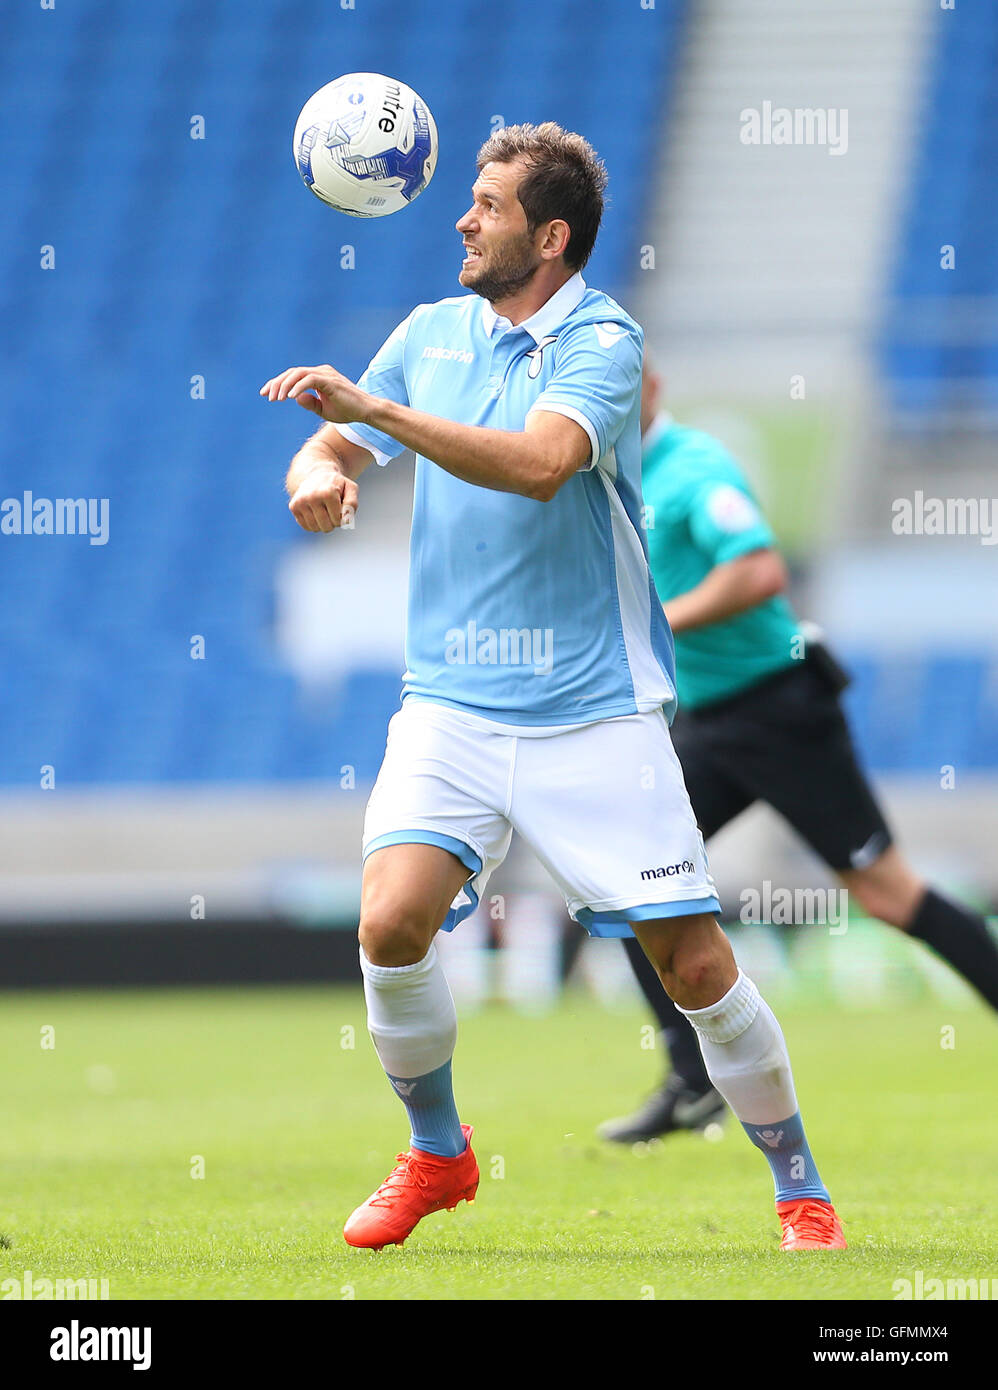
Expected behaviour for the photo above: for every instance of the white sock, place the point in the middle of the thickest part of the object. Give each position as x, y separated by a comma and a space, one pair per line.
745, 1054
410, 1015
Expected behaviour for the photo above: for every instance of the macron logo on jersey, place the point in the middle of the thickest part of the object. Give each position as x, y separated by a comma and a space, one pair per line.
442, 354
607, 334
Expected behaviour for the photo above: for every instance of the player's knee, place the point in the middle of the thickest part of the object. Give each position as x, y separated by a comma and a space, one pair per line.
394, 934
700, 966
695, 972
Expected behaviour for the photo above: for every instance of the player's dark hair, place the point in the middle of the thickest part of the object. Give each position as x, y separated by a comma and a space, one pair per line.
565, 179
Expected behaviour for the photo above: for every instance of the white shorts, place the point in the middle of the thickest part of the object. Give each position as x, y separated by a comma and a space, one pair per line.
603, 806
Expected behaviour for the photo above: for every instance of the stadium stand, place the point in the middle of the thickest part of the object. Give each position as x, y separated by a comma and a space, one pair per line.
939, 344
187, 270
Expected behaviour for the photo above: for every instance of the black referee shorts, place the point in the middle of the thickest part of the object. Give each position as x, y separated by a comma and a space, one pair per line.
784, 741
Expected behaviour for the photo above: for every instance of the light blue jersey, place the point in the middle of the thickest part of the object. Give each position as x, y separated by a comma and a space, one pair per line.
537, 614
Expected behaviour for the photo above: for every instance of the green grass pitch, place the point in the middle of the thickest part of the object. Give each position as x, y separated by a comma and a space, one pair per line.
292, 1127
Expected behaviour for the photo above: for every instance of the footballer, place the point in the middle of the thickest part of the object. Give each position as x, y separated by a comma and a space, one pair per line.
539, 680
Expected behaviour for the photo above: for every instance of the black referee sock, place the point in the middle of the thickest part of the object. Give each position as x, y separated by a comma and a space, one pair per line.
962, 938
678, 1034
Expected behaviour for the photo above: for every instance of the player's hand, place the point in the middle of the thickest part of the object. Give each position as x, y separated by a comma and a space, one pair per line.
324, 499
322, 390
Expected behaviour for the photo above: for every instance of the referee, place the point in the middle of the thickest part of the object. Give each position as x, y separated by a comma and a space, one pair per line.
758, 724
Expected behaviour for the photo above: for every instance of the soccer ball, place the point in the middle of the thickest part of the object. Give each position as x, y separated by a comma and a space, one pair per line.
365, 144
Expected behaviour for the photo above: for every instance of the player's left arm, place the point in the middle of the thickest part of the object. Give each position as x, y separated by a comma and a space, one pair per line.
729, 588
533, 462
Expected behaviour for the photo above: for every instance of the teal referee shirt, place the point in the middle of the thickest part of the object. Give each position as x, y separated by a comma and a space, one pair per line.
700, 512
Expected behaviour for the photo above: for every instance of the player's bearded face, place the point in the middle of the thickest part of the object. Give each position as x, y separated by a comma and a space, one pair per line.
501, 257
505, 264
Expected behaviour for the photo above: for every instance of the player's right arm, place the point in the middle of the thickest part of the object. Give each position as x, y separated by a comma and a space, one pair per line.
322, 480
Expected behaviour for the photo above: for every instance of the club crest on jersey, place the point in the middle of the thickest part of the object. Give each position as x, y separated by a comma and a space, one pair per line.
536, 356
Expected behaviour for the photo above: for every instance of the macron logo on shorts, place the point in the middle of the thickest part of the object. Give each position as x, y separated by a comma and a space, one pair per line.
669, 870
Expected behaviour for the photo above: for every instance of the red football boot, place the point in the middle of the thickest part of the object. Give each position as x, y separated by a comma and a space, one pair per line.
420, 1184
810, 1224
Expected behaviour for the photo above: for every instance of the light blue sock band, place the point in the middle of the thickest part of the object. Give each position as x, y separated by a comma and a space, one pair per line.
795, 1173
429, 1100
